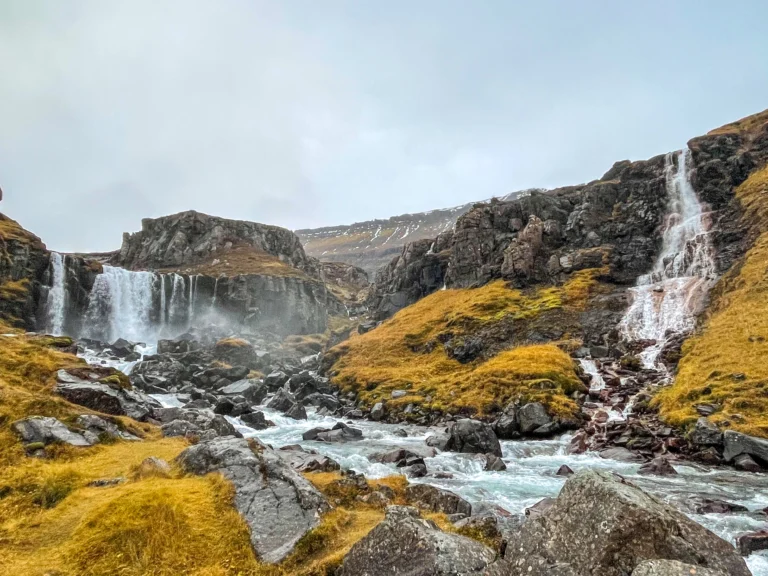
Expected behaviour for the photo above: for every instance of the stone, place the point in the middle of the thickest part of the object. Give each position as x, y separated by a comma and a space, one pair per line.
179, 428
436, 500
44, 430
303, 460
96, 428
507, 427
633, 526
224, 406
322, 401
705, 433
564, 471
736, 443
377, 412
746, 462
658, 467
532, 416
281, 401
473, 437
405, 544
752, 542
440, 441
253, 390
275, 380
256, 420
106, 399
296, 412
401, 455
540, 507
714, 506
398, 394
153, 466
313, 433
417, 470
620, 454
493, 463
673, 568
278, 504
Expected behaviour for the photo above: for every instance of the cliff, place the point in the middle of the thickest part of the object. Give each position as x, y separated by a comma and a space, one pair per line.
370, 245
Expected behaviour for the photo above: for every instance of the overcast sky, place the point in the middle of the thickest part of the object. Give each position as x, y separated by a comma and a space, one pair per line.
319, 112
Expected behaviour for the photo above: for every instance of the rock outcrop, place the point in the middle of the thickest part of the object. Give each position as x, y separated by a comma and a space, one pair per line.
404, 543
602, 524
278, 504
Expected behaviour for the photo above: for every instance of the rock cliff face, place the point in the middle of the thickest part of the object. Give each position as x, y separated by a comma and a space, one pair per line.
612, 223
191, 238
372, 244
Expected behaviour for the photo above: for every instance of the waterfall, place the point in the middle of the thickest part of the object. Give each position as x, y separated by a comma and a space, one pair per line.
120, 306
163, 304
56, 304
177, 295
590, 367
191, 301
215, 289
665, 301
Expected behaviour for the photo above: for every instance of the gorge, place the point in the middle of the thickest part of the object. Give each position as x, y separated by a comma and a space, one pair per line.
526, 378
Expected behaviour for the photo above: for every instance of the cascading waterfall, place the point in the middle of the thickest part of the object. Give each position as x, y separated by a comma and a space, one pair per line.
666, 301
56, 304
163, 304
120, 306
191, 301
177, 297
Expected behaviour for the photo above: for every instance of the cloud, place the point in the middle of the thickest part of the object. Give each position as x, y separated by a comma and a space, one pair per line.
304, 113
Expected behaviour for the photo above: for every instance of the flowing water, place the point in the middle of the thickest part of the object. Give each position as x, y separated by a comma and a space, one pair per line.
667, 300
56, 304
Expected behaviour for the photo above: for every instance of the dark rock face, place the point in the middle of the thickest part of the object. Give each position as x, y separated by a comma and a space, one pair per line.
633, 527
42, 430
278, 504
191, 237
436, 500
737, 444
404, 543
473, 437
104, 398
752, 542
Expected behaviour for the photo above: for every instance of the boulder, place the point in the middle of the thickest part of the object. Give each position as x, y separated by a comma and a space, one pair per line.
441, 441
44, 430
672, 568
658, 467
491, 463
399, 455
106, 399
564, 470
256, 420
603, 524
179, 428
746, 462
322, 401
278, 504
752, 542
473, 437
296, 412
620, 454
532, 416
405, 544
97, 428
736, 443
275, 380
377, 412
252, 390
437, 500
507, 427
705, 433
714, 506
303, 460
340, 434
281, 401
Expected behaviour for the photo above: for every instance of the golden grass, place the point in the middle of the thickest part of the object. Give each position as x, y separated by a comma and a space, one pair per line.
240, 260
748, 124
232, 343
404, 353
726, 363
12, 230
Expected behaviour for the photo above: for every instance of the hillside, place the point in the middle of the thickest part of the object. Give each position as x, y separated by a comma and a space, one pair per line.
373, 243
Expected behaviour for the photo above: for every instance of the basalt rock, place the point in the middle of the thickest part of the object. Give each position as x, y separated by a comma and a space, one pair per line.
43, 430
107, 399
278, 504
405, 544
473, 437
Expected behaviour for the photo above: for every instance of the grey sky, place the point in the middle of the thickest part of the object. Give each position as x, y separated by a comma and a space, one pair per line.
319, 112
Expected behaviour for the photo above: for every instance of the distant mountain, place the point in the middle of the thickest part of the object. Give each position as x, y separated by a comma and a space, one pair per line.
372, 244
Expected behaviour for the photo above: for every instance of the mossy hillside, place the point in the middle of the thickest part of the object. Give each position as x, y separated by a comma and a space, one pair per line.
725, 363
745, 125
406, 352
18, 248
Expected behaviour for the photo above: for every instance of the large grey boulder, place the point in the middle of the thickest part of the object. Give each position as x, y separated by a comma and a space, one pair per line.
96, 428
736, 444
705, 433
279, 504
305, 460
203, 423
437, 500
603, 524
532, 416
44, 430
404, 544
253, 390
474, 437
673, 568
107, 399
281, 401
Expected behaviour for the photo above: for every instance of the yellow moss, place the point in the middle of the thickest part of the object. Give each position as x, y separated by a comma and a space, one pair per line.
403, 352
232, 343
10, 230
725, 364
748, 124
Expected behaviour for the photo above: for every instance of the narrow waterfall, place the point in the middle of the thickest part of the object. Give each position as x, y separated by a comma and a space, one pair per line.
177, 297
56, 304
163, 304
120, 306
665, 301
192, 296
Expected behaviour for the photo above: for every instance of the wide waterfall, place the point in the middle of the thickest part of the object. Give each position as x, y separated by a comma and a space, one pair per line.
56, 304
665, 301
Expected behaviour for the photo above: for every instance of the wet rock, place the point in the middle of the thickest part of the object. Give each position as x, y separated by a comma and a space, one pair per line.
532, 416
277, 503
620, 454
252, 390
564, 470
340, 433
658, 467
96, 429
473, 437
440, 441
256, 420
421, 548
507, 426
493, 463
705, 433
312, 433
304, 460
399, 455
540, 507
736, 443
633, 526
417, 470
296, 412
166, 415
322, 401
377, 412
275, 380
714, 506
746, 462
281, 401
43, 430
752, 542
672, 568
104, 398
224, 406
437, 500
401, 433
179, 428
